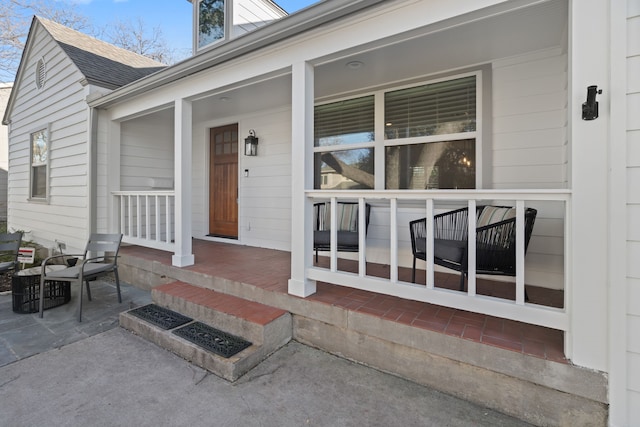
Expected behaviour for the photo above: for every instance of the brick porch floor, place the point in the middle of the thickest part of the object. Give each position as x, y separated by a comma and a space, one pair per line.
270, 269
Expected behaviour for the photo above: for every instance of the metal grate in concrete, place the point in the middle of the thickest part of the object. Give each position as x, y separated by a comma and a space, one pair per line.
212, 339
160, 316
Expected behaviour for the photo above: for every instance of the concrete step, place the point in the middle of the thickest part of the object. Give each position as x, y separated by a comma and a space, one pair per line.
267, 328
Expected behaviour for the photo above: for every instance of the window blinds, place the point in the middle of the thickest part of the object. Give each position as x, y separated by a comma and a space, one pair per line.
439, 108
344, 122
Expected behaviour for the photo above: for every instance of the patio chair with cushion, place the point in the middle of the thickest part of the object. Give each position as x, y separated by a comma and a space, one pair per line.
103, 251
347, 220
495, 240
9, 265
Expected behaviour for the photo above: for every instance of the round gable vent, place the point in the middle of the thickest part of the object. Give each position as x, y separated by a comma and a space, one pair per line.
41, 73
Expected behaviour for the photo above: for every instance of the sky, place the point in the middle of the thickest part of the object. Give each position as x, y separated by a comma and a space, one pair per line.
173, 17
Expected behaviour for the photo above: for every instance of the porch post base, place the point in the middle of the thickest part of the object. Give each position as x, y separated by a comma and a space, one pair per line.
182, 260
302, 288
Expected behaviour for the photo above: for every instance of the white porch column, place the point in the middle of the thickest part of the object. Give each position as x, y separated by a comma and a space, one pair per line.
301, 178
112, 179
589, 53
183, 143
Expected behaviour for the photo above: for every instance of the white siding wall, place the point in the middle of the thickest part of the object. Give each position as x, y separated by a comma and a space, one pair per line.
61, 104
265, 213
529, 121
633, 213
529, 148
251, 14
146, 151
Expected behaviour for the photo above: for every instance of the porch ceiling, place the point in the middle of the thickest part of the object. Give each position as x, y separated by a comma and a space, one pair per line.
259, 96
446, 46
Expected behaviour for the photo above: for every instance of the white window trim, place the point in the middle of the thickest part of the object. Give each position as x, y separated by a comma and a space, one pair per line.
380, 142
47, 130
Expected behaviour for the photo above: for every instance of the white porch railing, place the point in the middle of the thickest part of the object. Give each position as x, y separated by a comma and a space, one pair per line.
424, 204
146, 218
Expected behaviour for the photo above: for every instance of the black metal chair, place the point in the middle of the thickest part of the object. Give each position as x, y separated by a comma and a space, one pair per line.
347, 220
9, 265
88, 269
495, 241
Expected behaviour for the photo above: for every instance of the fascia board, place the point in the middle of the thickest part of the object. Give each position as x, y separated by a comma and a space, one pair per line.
20, 72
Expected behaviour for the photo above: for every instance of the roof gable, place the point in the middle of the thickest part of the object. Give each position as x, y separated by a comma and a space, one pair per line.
102, 64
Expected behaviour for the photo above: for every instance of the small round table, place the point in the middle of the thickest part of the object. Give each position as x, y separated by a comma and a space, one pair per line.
25, 289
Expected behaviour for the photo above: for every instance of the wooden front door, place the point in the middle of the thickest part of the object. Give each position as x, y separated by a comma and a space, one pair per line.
223, 182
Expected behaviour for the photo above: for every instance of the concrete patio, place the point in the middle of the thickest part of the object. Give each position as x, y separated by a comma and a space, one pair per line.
25, 335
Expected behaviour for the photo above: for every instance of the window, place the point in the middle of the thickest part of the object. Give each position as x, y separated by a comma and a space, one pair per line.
439, 119
39, 163
434, 109
430, 138
344, 136
211, 22
436, 165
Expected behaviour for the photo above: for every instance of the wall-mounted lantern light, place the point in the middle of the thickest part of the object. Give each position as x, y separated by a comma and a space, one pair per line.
590, 108
251, 144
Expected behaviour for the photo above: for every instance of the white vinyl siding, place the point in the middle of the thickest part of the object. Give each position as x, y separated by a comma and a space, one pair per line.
251, 14
60, 102
529, 148
633, 213
529, 121
265, 195
146, 152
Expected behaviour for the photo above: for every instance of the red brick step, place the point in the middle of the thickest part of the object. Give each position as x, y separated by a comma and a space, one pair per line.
267, 328
251, 311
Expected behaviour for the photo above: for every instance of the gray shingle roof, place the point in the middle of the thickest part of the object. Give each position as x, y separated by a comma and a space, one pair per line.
101, 63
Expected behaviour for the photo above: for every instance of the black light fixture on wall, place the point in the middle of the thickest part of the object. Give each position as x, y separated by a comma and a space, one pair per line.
590, 108
251, 144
